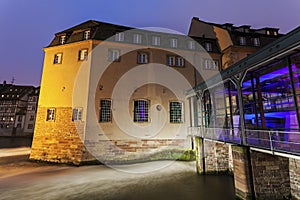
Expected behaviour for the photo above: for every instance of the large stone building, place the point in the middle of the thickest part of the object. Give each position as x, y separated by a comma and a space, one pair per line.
15, 119
235, 42
116, 93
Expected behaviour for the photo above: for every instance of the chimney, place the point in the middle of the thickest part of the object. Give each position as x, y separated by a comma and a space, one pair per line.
4, 82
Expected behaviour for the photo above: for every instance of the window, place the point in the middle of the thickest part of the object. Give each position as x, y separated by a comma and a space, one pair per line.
86, 35
31, 118
30, 126
275, 33
83, 54
179, 61
62, 39
176, 112
50, 114
175, 61
156, 40
114, 55
242, 41
142, 58
119, 37
58, 58
141, 109
268, 32
137, 38
191, 45
173, 43
77, 114
210, 64
256, 42
105, 110
208, 46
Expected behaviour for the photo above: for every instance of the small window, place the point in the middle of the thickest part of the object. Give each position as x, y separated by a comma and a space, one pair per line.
30, 126
57, 58
105, 110
141, 111
242, 41
137, 38
142, 58
62, 39
268, 32
176, 112
86, 35
83, 54
175, 61
171, 60
50, 114
179, 61
77, 114
31, 118
173, 43
191, 45
209, 64
256, 42
208, 46
275, 33
114, 55
119, 37
156, 40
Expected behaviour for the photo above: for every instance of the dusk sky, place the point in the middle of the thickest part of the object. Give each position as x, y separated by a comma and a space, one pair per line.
29, 25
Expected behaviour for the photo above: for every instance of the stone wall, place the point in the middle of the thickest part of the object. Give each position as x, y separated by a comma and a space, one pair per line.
271, 176
294, 165
57, 141
216, 156
242, 174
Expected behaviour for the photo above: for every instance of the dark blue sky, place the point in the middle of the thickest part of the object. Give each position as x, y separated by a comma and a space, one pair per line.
29, 25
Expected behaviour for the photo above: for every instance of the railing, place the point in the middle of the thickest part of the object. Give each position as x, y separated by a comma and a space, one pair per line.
275, 141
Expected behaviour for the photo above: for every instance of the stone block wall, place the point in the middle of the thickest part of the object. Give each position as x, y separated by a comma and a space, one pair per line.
241, 170
294, 166
57, 141
270, 176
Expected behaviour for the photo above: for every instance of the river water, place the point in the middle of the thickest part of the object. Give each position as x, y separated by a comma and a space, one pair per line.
175, 182
13, 142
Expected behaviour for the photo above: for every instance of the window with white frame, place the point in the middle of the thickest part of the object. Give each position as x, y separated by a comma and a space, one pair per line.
87, 35
50, 114
77, 114
119, 36
58, 58
176, 108
105, 110
191, 44
142, 57
156, 40
141, 110
114, 55
83, 54
242, 40
177, 61
210, 64
171, 60
62, 39
173, 42
137, 38
256, 42
208, 46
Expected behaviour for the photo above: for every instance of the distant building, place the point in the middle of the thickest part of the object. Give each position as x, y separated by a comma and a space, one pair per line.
67, 108
13, 109
235, 42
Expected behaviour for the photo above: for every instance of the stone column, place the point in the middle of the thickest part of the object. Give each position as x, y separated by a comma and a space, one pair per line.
242, 172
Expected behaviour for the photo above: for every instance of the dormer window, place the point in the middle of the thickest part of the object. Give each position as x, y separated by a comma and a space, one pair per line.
275, 33
242, 41
137, 38
119, 37
62, 39
208, 46
256, 42
87, 35
268, 32
191, 44
173, 43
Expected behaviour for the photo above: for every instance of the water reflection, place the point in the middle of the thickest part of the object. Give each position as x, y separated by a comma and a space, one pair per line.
13, 142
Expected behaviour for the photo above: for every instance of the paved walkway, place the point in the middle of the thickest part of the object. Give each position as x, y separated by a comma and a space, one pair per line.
14, 151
